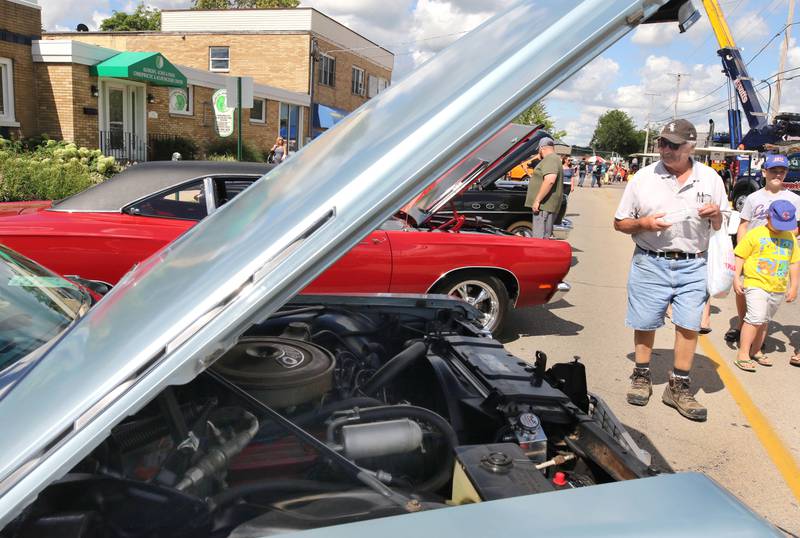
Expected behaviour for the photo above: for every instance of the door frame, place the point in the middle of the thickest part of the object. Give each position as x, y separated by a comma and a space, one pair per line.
133, 116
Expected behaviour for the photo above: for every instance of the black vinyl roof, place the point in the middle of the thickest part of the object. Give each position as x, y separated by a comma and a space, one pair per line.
144, 179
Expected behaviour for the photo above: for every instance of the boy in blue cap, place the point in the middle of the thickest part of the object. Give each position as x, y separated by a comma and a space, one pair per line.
768, 256
754, 214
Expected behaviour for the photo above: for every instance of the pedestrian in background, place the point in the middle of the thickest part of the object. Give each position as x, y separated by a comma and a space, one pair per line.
768, 257
581, 172
670, 208
278, 151
568, 174
597, 173
545, 189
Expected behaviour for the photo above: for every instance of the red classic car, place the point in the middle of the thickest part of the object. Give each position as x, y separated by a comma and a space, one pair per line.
102, 232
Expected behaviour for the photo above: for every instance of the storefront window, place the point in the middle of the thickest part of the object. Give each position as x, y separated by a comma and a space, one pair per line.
327, 70
6, 91
219, 59
258, 112
180, 100
290, 125
358, 81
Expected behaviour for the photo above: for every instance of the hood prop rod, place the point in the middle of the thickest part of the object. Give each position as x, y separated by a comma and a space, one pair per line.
355, 472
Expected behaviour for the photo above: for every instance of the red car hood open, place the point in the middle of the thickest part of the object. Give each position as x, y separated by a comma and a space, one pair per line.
8, 209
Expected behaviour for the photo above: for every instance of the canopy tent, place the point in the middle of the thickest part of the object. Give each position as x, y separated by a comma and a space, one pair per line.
149, 67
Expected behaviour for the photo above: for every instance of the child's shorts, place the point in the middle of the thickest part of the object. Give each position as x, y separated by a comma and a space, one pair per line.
761, 305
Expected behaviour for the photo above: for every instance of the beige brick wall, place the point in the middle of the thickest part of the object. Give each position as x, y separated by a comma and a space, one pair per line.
54, 103
341, 95
26, 21
200, 125
20, 19
279, 60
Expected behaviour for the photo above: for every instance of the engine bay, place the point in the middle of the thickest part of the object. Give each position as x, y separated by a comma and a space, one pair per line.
335, 410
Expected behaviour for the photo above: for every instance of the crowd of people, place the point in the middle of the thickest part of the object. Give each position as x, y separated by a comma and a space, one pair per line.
671, 208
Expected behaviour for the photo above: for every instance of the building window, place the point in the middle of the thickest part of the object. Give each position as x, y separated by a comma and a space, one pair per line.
258, 114
376, 85
219, 59
358, 81
290, 126
327, 70
180, 100
7, 93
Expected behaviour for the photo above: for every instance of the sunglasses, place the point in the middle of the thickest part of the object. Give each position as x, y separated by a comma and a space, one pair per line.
664, 143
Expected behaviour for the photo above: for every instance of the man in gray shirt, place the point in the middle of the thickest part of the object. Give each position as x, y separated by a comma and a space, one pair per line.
670, 208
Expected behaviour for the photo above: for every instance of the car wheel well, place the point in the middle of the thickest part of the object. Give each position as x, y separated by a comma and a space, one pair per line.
506, 277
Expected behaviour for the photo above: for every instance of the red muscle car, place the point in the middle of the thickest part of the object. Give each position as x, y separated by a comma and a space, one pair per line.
102, 232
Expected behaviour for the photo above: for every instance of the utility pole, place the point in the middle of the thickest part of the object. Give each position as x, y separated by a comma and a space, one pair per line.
784, 48
677, 91
647, 121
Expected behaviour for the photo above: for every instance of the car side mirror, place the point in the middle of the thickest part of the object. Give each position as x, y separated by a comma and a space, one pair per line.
681, 11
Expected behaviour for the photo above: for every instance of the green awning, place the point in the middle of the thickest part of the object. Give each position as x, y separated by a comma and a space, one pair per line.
150, 67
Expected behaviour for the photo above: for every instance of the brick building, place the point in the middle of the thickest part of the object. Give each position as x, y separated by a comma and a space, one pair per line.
300, 50
120, 91
20, 26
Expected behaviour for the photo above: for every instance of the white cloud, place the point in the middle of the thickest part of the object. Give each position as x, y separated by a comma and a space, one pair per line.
55, 13
654, 34
750, 27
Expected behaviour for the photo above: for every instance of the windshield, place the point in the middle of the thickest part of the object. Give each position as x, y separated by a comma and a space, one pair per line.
35, 306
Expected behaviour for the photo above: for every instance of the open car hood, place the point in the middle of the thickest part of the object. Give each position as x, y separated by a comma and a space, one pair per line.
487, 163
181, 309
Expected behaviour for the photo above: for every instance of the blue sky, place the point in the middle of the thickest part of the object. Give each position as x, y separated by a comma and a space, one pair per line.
622, 77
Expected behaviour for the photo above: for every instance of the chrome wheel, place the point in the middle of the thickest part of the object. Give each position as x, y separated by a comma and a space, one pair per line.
482, 296
521, 229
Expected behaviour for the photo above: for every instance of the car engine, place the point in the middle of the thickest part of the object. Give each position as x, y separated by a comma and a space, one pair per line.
334, 410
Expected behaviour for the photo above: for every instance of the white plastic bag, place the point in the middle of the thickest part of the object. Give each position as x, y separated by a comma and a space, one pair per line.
721, 263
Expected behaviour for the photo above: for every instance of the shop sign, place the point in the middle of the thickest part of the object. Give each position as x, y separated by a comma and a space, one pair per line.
150, 67
178, 100
223, 113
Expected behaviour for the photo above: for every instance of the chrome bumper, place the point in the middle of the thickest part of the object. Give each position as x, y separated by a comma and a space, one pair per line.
561, 290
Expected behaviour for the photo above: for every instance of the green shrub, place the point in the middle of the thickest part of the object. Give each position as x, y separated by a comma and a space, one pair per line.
43, 169
161, 149
227, 146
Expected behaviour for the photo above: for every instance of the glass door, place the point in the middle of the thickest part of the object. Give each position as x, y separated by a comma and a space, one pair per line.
115, 112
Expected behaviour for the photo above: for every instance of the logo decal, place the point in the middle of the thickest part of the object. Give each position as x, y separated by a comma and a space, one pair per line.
671, 127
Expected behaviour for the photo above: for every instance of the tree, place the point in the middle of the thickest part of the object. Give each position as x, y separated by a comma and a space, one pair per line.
615, 131
537, 114
143, 18
242, 4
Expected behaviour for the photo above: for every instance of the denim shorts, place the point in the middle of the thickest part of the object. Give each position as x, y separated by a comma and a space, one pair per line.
654, 283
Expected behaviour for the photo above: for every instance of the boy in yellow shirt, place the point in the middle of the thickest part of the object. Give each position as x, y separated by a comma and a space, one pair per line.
768, 256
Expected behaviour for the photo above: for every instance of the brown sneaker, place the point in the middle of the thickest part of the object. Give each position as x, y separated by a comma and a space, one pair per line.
677, 395
641, 387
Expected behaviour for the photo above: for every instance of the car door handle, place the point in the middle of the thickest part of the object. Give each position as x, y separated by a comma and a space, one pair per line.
372, 241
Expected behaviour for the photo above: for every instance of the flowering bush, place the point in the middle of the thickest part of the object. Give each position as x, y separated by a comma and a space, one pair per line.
44, 169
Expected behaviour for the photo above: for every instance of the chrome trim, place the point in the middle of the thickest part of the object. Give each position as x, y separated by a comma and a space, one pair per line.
470, 267
211, 199
562, 288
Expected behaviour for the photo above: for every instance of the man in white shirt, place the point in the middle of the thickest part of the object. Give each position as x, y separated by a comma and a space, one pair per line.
670, 208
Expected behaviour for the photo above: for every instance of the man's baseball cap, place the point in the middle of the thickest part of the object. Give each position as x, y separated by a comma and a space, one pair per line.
774, 160
782, 215
546, 141
679, 132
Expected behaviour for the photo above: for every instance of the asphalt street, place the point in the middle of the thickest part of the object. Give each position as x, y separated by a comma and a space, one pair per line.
751, 441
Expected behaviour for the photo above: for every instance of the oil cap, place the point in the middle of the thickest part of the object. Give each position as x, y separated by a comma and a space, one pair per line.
497, 462
528, 422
